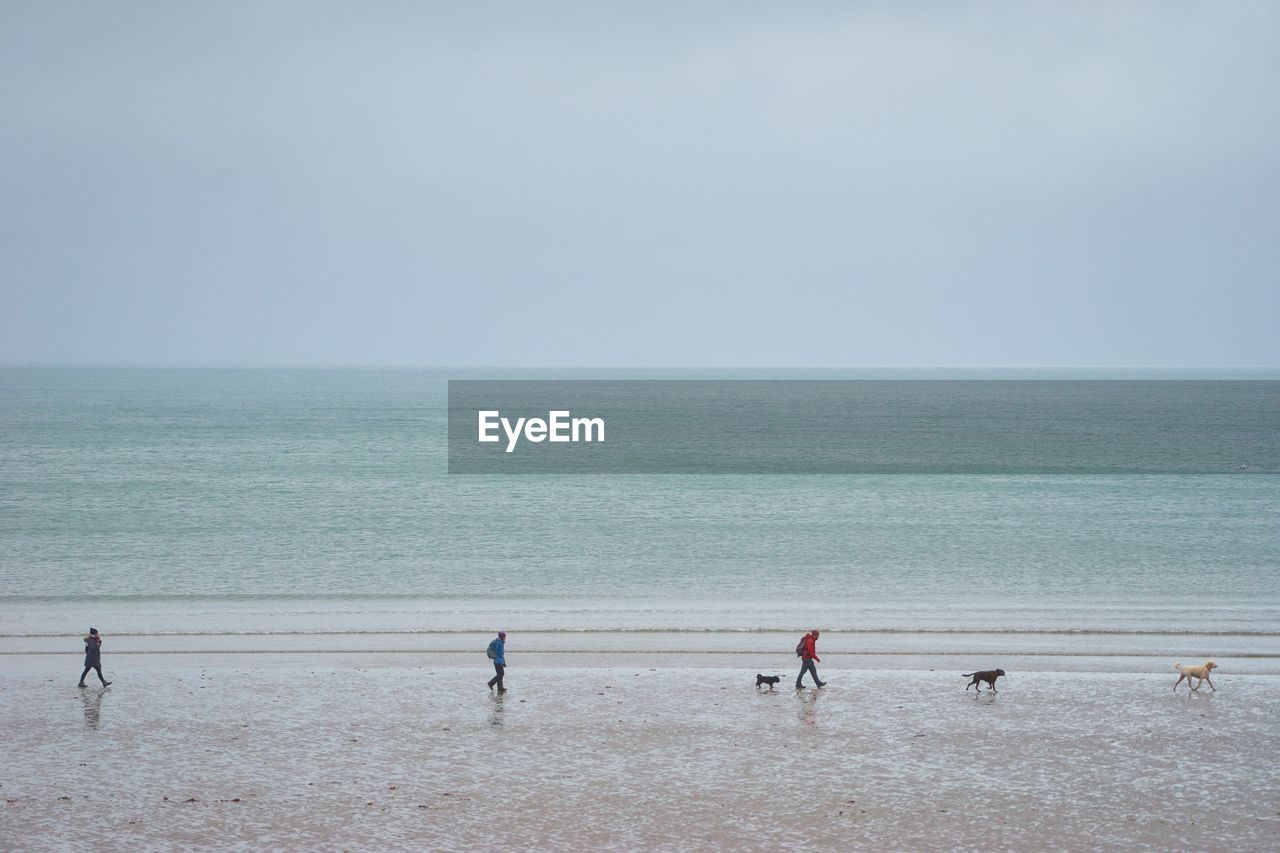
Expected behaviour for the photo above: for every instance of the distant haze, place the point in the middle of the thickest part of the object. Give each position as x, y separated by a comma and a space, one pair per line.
640, 184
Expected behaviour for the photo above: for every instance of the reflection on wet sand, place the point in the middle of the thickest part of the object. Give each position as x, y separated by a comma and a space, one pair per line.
93, 706
1193, 696
808, 701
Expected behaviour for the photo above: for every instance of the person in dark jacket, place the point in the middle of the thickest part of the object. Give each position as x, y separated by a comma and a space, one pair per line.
93, 656
809, 656
497, 652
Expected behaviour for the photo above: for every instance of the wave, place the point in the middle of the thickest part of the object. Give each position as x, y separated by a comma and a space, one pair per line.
926, 653
827, 632
574, 604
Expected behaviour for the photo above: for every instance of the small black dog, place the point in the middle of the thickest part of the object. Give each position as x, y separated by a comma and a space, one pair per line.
987, 675
771, 680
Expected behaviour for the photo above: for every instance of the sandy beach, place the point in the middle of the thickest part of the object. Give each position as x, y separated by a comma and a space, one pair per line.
368, 751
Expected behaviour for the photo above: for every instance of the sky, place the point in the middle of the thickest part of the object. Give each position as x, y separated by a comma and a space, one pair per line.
718, 184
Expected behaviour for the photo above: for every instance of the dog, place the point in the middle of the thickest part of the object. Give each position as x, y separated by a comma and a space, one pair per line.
771, 680
1200, 673
987, 675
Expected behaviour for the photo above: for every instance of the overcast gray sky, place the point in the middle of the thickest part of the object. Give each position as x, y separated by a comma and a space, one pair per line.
640, 184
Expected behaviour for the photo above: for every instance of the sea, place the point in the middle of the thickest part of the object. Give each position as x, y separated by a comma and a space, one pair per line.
206, 511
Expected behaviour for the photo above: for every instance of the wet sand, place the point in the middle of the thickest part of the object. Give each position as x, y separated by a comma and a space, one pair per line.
368, 751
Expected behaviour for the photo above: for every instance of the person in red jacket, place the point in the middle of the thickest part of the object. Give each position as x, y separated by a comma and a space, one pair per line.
808, 656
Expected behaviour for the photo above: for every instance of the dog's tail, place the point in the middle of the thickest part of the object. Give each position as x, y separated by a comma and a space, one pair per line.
967, 674
1177, 666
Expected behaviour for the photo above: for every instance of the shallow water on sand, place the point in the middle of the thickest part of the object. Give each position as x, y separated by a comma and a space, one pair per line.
1240, 636
278, 750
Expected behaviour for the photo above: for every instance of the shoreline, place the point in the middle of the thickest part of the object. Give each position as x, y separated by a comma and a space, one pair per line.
740, 662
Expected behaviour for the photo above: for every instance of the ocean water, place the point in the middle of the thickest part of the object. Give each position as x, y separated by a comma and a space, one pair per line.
210, 510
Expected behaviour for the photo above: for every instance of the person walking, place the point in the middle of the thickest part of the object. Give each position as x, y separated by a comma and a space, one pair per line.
93, 656
808, 656
497, 654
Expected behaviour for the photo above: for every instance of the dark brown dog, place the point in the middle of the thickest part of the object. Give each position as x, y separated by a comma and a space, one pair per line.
770, 680
987, 675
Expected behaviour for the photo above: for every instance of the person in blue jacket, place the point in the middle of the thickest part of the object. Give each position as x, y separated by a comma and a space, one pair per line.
497, 654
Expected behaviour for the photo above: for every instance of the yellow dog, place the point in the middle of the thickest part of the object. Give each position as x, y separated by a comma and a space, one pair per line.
1200, 673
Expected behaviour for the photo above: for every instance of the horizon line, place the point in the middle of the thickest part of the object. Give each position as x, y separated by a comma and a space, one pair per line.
945, 368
